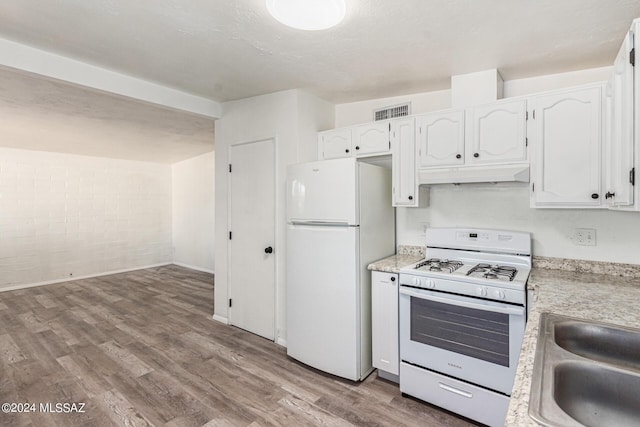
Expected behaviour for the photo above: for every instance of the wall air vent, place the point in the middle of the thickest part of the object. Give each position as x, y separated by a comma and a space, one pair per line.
392, 112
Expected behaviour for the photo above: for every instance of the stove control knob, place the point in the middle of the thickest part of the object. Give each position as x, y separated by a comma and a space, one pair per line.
431, 284
499, 294
416, 281
481, 291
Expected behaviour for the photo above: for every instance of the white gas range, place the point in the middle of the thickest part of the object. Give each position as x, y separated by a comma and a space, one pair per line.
462, 320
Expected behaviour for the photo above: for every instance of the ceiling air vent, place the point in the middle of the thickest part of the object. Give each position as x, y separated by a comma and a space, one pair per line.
392, 112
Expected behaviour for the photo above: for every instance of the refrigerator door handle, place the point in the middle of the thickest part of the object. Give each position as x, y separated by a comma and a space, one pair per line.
320, 223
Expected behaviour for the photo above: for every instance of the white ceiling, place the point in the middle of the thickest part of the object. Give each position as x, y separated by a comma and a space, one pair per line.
231, 49
225, 49
46, 115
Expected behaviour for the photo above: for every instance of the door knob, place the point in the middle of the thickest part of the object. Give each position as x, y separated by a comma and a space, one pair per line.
609, 195
268, 250
595, 196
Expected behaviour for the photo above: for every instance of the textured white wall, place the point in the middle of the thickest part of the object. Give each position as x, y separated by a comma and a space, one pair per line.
506, 205
193, 212
64, 216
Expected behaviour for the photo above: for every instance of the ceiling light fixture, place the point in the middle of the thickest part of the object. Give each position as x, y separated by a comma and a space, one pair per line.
308, 14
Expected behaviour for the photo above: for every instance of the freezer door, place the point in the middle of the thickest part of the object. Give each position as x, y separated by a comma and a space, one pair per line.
323, 192
323, 304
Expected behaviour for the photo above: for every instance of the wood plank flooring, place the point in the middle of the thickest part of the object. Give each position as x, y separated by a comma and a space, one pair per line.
141, 349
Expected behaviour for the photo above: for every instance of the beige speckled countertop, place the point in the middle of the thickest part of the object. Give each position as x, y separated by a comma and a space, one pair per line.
406, 255
600, 297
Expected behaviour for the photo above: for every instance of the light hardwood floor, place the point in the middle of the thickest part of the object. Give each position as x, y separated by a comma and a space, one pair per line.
141, 349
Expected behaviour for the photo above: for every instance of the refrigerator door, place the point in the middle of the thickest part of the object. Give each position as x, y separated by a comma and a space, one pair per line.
323, 303
323, 191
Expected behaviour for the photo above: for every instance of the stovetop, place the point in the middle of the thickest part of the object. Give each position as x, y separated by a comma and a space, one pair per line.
487, 264
472, 271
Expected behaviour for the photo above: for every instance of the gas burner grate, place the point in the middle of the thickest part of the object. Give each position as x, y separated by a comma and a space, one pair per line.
489, 271
443, 265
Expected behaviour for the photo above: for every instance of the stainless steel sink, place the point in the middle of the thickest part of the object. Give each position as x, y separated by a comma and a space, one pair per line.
614, 345
585, 374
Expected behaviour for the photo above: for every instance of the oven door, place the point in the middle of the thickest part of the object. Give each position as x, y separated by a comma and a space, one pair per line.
467, 338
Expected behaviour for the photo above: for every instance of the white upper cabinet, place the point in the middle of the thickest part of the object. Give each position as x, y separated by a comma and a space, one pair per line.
358, 141
440, 139
565, 135
371, 138
334, 144
619, 135
496, 133
405, 190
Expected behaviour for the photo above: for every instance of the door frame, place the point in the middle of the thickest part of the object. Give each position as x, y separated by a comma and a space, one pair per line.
276, 231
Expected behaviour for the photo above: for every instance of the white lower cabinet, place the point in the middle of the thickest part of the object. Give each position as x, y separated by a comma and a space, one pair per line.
565, 130
384, 322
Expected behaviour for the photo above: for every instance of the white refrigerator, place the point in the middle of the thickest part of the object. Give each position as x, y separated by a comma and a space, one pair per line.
339, 219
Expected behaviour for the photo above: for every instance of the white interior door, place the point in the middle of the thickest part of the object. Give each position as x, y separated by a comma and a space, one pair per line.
252, 236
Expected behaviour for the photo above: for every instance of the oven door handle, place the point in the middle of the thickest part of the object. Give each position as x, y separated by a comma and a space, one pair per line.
519, 311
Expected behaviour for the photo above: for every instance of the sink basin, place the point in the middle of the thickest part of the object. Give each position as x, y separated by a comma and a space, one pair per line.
585, 374
606, 344
596, 396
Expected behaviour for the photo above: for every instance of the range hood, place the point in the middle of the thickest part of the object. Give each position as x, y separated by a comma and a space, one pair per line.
471, 174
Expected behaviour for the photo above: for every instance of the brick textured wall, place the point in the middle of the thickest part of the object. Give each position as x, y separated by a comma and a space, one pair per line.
64, 216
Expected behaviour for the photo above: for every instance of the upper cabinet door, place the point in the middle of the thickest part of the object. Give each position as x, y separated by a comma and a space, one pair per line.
440, 139
334, 144
496, 133
405, 191
619, 137
566, 139
372, 138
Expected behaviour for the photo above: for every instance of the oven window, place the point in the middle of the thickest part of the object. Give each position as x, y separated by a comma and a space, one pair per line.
476, 333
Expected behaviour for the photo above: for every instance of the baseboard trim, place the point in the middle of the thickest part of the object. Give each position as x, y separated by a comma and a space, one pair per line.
220, 319
73, 279
192, 267
281, 341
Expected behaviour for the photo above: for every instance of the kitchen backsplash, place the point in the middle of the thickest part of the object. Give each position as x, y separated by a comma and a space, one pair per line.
582, 266
411, 250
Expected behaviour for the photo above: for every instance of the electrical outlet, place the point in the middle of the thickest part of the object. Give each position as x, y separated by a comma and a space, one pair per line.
584, 236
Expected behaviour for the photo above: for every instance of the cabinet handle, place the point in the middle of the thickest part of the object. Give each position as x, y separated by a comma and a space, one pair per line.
357, 147
410, 197
609, 195
595, 196
476, 155
458, 156
346, 151
393, 279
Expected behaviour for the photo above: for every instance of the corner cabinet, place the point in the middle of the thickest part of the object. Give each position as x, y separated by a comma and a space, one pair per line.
403, 146
565, 129
619, 140
371, 139
384, 322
